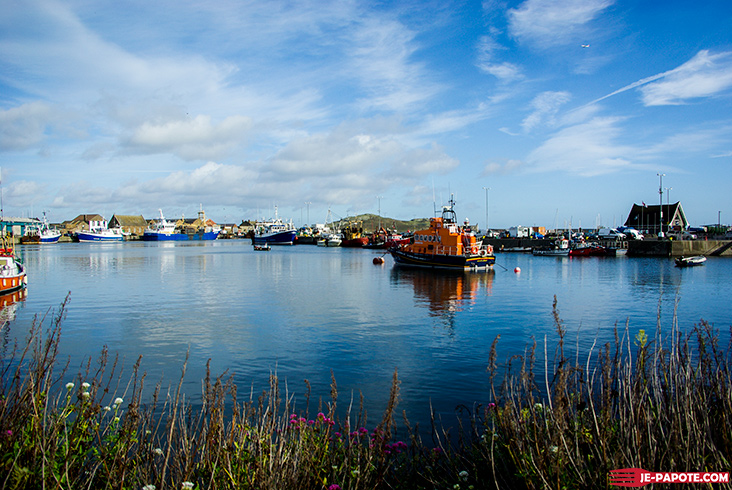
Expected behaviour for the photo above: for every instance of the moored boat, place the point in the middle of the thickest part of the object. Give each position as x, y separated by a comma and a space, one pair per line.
559, 249
274, 232
330, 240
99, 232
164, 230
589, 250
42, 233
690, 261
445, 244
12, 271
353, 235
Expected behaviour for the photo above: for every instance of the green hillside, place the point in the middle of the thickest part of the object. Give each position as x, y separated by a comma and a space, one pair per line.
371, 223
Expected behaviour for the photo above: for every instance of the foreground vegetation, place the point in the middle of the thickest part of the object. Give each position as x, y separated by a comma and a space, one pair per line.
659, 404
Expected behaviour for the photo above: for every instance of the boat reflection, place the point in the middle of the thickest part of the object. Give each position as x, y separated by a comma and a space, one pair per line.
9, 305
446, 292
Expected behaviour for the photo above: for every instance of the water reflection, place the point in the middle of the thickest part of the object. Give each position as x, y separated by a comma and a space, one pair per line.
445, 293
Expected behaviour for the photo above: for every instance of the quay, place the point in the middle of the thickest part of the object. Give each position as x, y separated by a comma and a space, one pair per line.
635, 248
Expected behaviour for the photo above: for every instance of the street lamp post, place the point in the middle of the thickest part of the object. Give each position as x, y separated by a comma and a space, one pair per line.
668, 205
486, 209
308, 205
379, 198
660, 205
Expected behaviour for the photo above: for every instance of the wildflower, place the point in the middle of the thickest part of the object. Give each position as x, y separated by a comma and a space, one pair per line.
85, 395
553, 449
158, 451
107, 408
538, 406
116, 420
118, 401
355, 473
148, 487
187, 485
491, 406
463, 475
85, 386
334, 487
69, 386
8, 433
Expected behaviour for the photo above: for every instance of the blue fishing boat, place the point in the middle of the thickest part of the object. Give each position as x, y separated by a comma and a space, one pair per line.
274, 232
99, 232
164, 230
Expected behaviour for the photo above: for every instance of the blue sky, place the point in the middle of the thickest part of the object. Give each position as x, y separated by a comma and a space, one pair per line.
566, 110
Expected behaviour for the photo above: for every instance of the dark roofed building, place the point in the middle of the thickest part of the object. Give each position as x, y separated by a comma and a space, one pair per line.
649, 218
129, 223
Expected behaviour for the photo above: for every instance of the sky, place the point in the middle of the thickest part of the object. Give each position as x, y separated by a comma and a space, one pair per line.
535, 113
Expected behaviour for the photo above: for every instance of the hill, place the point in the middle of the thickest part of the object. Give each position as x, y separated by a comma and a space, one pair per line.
371, 223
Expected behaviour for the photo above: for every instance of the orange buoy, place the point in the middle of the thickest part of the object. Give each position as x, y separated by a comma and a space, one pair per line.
378, 260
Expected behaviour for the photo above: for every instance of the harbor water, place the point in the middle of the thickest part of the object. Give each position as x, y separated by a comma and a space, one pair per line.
303, 312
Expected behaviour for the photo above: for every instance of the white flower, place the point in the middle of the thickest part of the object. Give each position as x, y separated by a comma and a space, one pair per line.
187, 485
158, 451
85, 395
463, 475
107, 409
118, 401
69, 386
148, 487
553, 449
85, 386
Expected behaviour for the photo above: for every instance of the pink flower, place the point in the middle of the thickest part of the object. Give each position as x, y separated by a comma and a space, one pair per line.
334, 487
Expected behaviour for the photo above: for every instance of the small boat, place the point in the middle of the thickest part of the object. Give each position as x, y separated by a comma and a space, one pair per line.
386, 239
99, 232
274, 232
559, 249
690, 261
262, 248
589, 250
445, 244
330, 240
12, 270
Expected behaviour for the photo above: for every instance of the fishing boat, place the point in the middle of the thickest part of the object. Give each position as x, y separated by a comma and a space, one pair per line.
445, 244
99, 232
164, 230
274, 232
559, 249
41, 233
353, 235
690, 261
12, 270
262, 248
386, 239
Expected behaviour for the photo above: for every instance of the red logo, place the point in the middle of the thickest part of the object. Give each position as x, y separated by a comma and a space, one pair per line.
638, 477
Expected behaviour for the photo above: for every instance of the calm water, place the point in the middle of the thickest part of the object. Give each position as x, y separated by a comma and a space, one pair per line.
303, 311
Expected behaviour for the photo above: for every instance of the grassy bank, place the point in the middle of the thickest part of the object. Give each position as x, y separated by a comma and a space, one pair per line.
663, 404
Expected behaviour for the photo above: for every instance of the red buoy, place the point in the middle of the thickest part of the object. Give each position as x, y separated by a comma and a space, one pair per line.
378, 260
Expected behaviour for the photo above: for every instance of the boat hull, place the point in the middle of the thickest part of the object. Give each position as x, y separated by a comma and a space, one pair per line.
354, 242
50, 238
97, 237
437, 261
174, 237
279, 238
13, 282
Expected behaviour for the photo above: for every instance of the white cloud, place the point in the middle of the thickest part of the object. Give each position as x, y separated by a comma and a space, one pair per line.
704, 75
547, 23
545, 105
24, 126
487, 48
588, 150
191, 139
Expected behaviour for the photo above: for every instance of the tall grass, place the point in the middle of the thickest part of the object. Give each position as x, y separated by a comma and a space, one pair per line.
662, 404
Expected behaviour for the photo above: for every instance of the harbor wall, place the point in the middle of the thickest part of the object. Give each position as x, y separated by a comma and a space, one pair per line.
637, 248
